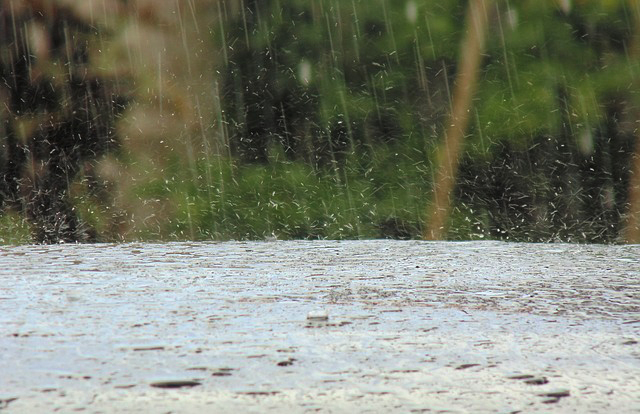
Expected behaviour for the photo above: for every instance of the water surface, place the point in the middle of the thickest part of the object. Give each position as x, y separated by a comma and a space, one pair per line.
411, 326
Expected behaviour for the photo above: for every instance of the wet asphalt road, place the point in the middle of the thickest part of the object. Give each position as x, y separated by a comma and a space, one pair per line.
411, 327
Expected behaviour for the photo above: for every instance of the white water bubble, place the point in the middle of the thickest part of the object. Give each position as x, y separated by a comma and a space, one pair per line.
318, 315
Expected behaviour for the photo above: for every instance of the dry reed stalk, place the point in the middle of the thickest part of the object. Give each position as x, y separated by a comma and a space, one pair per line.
448, 156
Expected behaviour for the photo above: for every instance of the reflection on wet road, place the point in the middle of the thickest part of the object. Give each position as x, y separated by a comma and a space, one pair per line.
300, 326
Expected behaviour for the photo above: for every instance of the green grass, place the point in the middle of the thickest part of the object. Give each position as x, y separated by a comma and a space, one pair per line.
292, 200
14, 229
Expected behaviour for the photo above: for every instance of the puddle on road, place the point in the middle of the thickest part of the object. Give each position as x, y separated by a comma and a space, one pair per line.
477, 326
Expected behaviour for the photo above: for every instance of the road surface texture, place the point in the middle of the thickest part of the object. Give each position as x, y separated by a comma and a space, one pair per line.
320, 326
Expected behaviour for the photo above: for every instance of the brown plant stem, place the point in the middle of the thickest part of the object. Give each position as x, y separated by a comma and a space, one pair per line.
631, 230
448, 155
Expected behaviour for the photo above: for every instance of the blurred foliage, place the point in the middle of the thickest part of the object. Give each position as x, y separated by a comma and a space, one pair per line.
547, 157
290, 200
326, 115
14, 229
57, 119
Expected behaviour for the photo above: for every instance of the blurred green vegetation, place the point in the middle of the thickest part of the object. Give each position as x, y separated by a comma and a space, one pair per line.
291, 200
546, 158
328, 114
14, 229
